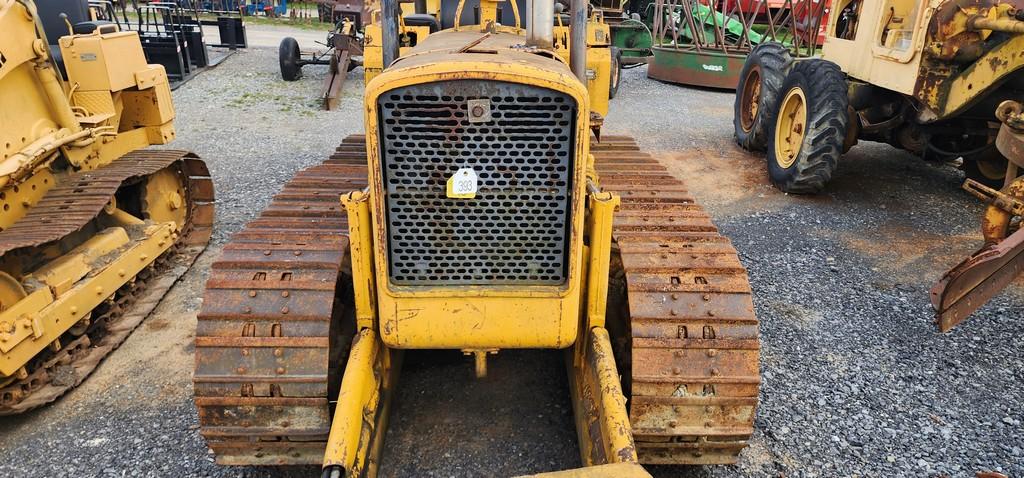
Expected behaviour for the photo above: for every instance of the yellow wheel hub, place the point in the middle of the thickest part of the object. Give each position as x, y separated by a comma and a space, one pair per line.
790, 127
165, 198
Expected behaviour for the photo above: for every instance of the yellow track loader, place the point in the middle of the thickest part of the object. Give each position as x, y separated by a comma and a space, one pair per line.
94, 229
479, 213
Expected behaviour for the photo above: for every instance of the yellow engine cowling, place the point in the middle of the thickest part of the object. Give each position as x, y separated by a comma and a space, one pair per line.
490, 289
111, 103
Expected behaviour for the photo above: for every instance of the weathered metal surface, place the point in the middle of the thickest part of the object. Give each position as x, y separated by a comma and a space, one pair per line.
966, 287
516, 228
967, 57
335, 78
974, 281
598, 402
693, 365
1010, 139
712, 69
706, 43
268, 347
53, 373
363, 405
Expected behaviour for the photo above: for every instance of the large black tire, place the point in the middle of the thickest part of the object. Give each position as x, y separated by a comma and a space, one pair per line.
757, 93
810, 119
288, 54
615, 72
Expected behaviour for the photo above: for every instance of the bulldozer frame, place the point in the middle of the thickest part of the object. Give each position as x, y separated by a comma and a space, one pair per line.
480, 212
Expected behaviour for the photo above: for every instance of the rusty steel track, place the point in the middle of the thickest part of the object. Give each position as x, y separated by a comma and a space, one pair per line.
692, 333
73, 202
265, 337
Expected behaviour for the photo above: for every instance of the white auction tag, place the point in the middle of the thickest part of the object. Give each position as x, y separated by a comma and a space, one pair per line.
462, 184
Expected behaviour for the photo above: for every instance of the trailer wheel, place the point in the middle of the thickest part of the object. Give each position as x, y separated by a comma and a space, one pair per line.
288, 54
757, 93
615, 72
807, 135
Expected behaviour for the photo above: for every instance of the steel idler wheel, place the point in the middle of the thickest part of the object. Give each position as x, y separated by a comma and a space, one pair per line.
164, 198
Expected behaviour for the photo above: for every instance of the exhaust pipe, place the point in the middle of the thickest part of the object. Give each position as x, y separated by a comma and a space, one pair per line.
578, 39
389, 11
541, 30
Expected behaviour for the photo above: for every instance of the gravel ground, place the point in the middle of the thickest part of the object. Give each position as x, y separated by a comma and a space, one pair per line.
856, 380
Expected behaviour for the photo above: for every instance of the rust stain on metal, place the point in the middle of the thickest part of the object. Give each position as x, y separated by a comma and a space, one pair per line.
688, 295
985, 273
263, 360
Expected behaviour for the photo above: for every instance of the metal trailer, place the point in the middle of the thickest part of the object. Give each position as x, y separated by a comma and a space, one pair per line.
343, 52
704, 43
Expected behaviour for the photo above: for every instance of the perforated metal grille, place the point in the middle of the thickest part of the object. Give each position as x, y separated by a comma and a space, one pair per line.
516, 229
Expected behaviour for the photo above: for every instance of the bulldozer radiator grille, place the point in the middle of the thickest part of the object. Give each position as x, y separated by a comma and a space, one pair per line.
516, 230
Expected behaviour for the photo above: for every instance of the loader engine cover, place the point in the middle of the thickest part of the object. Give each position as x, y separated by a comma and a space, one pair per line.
476, 175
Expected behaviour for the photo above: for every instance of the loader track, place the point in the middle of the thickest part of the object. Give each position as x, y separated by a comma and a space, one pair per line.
264, 339
74, 201
690, 345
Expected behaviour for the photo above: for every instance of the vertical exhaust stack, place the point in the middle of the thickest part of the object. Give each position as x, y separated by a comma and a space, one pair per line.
389, 11
540, 32
578, 39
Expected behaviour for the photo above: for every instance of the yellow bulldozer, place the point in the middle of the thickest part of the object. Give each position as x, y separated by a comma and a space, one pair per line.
943, 79
481, 211
93, 227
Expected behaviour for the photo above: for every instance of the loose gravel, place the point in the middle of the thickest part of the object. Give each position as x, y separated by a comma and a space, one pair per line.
856, 379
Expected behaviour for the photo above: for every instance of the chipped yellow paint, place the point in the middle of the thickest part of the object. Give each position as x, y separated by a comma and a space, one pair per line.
977, 79
357, 428
598, 50
475, 316
483, 319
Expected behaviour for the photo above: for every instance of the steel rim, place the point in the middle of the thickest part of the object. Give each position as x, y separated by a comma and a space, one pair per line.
790, 127
750, 98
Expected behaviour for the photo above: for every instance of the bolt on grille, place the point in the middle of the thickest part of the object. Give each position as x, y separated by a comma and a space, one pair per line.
516, 230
